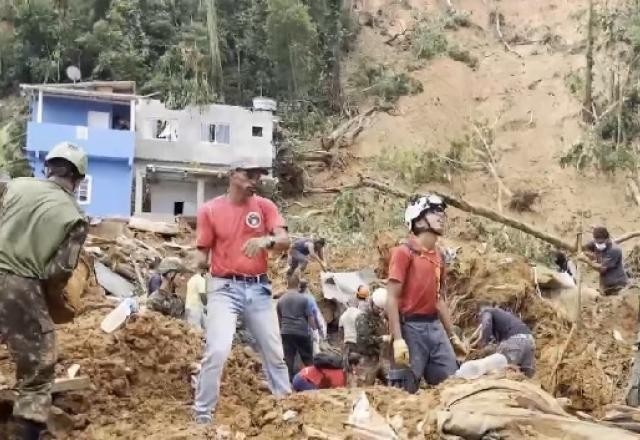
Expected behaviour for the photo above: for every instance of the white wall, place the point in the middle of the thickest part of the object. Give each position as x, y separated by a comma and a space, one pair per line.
190, 147
165, 193
211, 191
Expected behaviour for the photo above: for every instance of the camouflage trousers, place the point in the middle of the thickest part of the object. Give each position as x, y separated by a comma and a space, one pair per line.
28, 331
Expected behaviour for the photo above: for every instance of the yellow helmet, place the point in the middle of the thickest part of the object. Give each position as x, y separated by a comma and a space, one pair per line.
71, 153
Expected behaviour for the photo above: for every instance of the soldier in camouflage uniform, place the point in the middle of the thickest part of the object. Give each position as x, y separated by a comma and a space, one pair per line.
372, 332
165, 300
42, 231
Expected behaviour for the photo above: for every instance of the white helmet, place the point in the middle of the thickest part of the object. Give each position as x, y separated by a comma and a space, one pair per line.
379, 297
418, 206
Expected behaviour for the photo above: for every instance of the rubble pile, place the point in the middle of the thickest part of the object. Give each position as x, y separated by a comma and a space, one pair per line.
591, 369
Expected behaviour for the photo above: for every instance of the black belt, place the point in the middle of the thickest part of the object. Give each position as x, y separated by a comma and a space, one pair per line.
263, 278
419, 318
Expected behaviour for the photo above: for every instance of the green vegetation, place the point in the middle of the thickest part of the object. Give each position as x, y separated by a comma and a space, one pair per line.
191, 51
423, 165
464, 56
428, 40
383, 82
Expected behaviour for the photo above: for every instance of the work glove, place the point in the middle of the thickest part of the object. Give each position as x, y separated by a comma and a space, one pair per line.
400, 352
254, 245
458, 346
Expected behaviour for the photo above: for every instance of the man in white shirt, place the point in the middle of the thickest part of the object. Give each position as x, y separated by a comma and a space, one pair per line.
347, 325
194, 309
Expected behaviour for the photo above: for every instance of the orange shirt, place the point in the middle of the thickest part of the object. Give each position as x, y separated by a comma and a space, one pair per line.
224, 227
420, 275
324, 378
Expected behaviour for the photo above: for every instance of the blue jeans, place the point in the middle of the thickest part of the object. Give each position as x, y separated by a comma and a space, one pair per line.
226, 300
430, 353
302, 384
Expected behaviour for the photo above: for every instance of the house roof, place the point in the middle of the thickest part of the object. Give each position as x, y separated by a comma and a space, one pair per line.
113, 91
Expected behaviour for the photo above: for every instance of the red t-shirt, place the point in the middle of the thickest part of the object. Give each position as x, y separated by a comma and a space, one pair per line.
420, 275
324, 378
224, 227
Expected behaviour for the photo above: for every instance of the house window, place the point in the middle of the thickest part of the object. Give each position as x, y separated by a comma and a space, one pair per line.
178, 208
216, 133
256, 131
83, 194
164, 129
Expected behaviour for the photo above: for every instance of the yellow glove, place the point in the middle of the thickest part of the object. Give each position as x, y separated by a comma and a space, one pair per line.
458, 346
400, 352
386, 338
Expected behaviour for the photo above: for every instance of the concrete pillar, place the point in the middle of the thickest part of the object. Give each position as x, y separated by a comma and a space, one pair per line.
39, 108
200, 184
139, 191
132, 115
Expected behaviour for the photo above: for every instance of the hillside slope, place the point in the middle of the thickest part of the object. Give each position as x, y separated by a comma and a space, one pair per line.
523, 93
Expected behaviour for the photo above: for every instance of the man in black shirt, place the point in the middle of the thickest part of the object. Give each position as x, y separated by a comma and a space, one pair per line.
512, 336
296, 315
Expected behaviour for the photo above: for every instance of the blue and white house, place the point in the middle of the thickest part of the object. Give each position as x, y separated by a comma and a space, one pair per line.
98, 116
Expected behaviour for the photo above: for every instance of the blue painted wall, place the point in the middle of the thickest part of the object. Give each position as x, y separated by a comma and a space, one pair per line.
110, 151
58, 110
111, 186
111, 144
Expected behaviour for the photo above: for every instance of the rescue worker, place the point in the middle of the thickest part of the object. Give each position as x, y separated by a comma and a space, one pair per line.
347, 326
319, 378
372, 334
42, 231
296, 316
512, 336
165, 300
301, 250
604, 256
362, 294
193, 307
234, 235
418, 315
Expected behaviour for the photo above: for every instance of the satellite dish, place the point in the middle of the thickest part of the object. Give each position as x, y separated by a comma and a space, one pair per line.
73, 73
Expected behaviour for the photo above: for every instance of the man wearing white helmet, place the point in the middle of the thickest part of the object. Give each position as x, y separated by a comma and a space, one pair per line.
42, 231
415, 305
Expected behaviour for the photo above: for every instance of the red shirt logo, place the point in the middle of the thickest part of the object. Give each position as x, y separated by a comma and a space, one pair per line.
253, 220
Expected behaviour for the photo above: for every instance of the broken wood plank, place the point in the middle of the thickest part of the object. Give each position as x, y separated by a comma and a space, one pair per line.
62, 385
164, 228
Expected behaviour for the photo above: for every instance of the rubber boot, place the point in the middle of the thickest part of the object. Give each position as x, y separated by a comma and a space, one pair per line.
23, 429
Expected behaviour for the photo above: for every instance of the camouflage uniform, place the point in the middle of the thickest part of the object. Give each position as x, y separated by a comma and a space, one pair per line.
370, 328
167, 303
33, 274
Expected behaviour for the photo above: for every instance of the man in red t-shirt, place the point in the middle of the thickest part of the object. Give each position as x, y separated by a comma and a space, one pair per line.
234, 234
415, 305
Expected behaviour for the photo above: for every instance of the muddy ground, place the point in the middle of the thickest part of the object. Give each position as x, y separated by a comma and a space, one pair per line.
141, 373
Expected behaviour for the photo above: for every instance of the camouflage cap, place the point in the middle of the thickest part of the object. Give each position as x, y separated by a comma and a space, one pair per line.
171, 264
71, 153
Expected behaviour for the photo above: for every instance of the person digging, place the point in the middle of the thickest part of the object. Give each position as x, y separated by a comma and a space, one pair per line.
304, 249
416, 308
42, 231
511, 335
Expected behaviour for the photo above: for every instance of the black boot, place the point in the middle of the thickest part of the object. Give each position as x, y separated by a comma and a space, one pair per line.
23, 429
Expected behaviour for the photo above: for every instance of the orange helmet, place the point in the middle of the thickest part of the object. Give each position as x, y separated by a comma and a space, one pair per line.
363, 292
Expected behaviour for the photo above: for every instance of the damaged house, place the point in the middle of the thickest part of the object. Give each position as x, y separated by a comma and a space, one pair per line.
145, 159
183, 156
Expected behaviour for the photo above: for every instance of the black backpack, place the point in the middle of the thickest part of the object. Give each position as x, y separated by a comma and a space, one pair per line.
327, 359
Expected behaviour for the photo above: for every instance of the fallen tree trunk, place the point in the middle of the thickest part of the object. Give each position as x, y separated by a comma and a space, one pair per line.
353, 126
463, 205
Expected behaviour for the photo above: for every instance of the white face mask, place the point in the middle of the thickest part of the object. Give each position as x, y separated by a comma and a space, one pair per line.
601, 246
